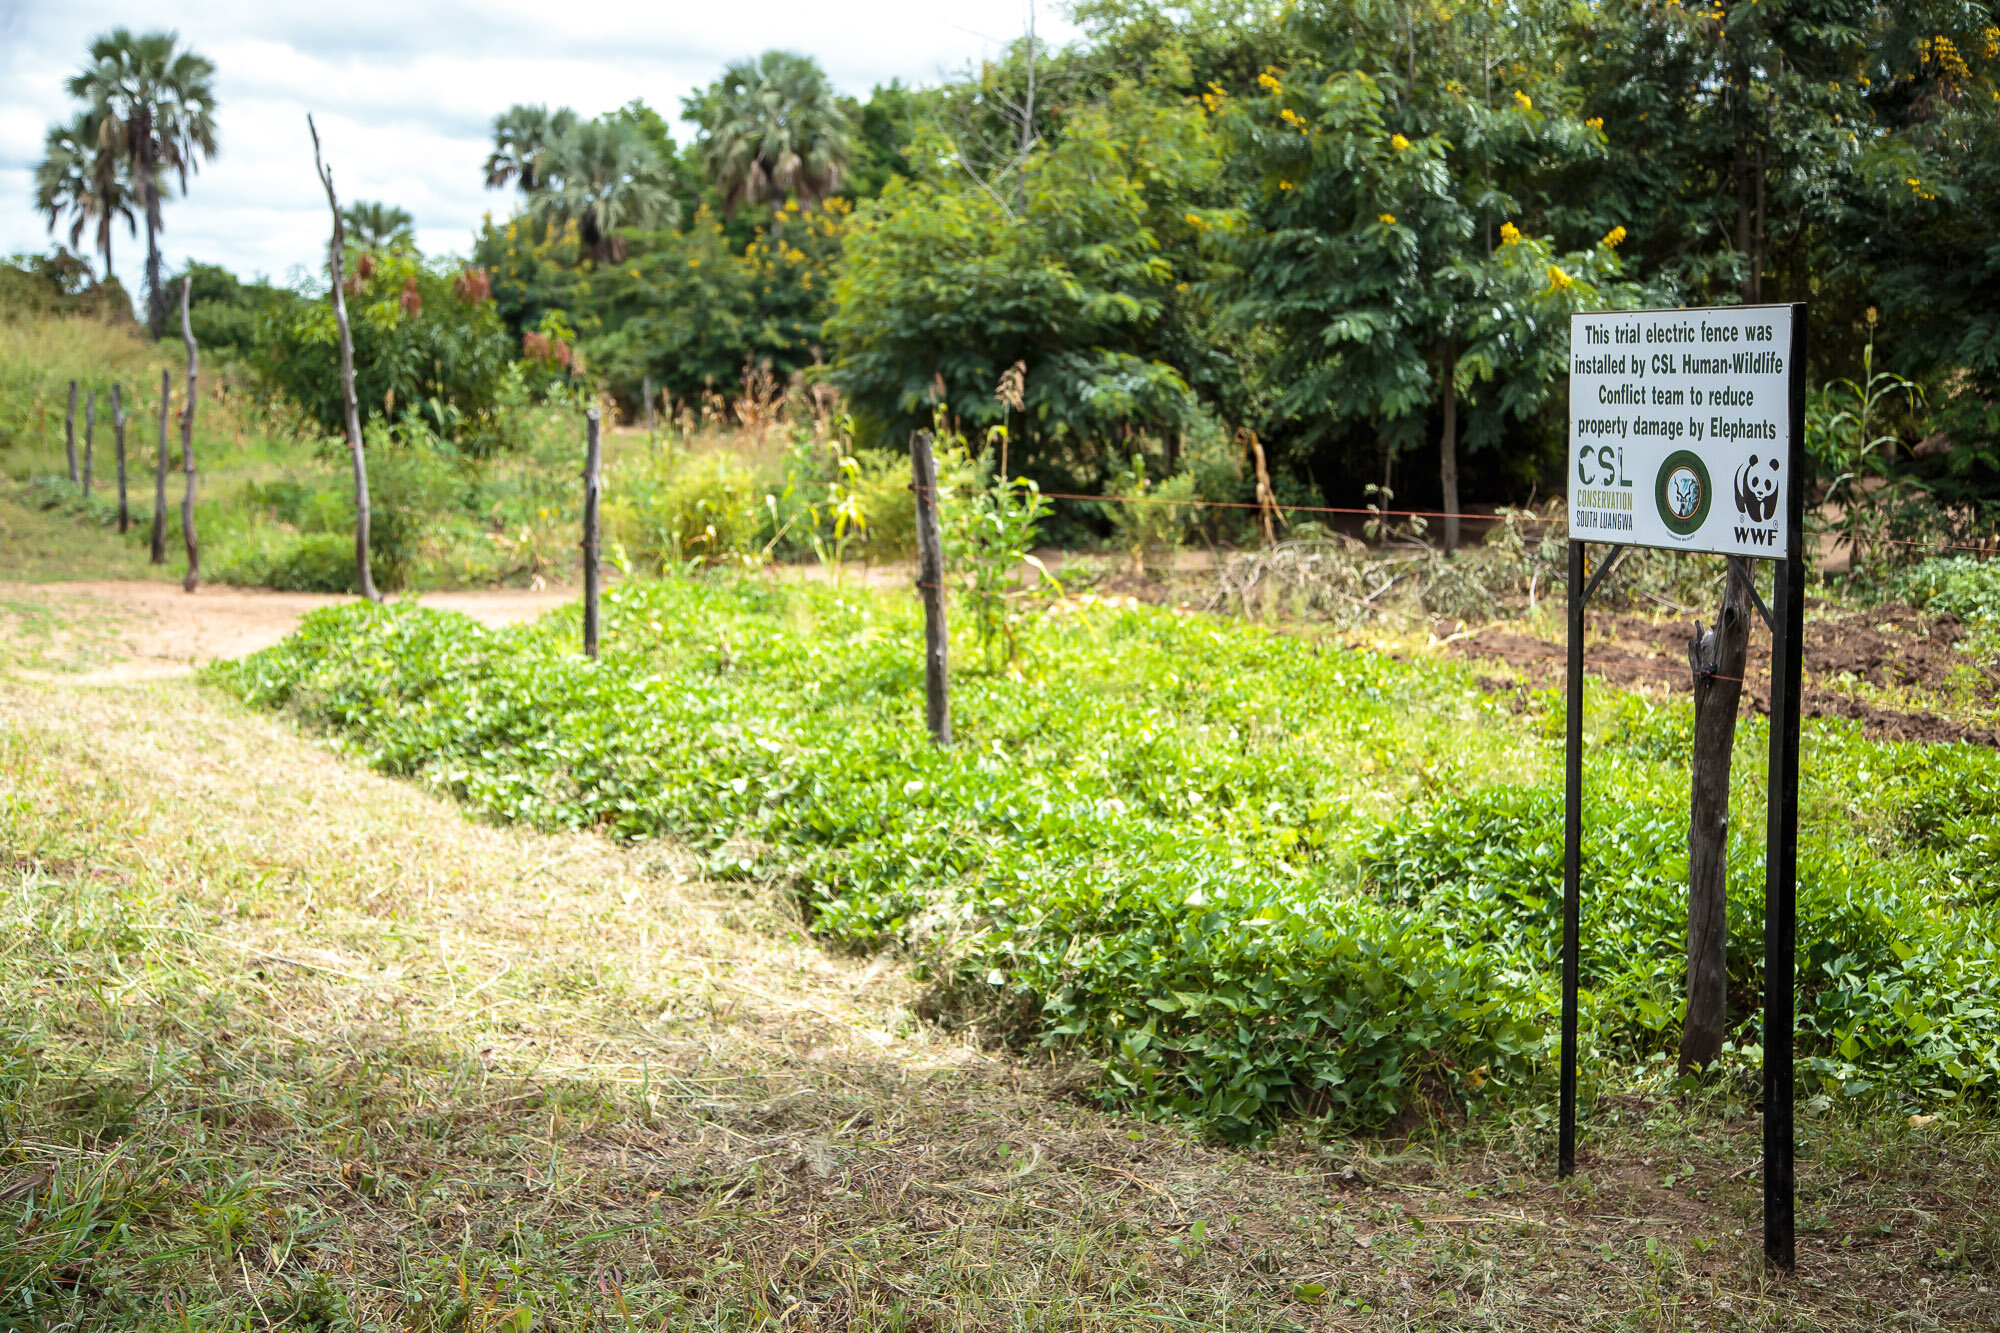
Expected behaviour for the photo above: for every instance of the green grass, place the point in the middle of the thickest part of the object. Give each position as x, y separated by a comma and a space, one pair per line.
1250, 876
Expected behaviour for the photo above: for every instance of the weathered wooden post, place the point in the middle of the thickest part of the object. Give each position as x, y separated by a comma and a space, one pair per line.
160, 472
118, 434
930, 584
89, 438
69, 431
592, 460
649, 404
192, 579
364, 574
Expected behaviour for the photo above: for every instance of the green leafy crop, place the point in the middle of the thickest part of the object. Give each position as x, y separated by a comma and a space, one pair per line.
1252, 875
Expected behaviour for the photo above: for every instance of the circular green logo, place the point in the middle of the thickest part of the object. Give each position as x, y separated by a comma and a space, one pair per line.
1683, 492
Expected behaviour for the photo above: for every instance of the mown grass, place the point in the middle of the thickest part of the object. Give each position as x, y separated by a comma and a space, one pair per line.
291, 1045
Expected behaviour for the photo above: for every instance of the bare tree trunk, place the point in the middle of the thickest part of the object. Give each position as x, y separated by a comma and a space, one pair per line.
364, 577
149, 185
160, 472
192, 579
592, 460
1267, 499
1718, 658
930, 585
1448, 449
69, 431
118, 434
1757, 235
89, 438
1743, 218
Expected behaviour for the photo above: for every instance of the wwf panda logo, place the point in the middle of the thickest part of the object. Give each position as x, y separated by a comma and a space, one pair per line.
1757, 491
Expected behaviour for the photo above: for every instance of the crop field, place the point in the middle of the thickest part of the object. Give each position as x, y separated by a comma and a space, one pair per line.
1205, 983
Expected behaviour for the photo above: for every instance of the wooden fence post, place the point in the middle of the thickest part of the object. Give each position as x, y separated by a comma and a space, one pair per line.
89, 438
192, 579
118, 433
649, 404
364, 572
592, 458
930, 584
160, 472
69, 431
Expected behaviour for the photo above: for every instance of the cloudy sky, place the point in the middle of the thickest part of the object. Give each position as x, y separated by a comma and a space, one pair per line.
405, 93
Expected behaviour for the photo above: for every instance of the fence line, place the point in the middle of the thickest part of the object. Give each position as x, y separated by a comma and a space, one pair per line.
1988, 548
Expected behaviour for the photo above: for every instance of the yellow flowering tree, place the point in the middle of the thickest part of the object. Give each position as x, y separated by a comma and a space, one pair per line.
1380, 243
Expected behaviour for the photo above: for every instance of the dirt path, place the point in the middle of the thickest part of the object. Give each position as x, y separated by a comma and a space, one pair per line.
118, 630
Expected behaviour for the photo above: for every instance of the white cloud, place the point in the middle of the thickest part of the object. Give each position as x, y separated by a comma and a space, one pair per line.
404, 95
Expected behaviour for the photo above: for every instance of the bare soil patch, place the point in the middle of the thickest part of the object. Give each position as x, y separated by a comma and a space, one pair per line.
1913, 661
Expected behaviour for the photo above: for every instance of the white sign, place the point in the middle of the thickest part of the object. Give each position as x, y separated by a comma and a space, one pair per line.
1680, 428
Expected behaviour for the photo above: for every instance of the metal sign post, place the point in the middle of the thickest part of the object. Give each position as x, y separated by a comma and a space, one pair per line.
1665, 406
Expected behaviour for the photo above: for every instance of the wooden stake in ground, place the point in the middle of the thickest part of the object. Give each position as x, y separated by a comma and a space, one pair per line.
649, 404
192, 579
69, 431
1448, 449
364, 578
1717, 656
592, 459
89, 438
118, 434
930, 585
160, 472
1267, 499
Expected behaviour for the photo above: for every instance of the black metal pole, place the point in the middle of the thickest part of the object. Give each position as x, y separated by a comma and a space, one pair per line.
1781, 837
1572, 862
591, 459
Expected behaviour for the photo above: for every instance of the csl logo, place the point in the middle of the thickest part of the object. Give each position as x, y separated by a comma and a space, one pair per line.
1683, 492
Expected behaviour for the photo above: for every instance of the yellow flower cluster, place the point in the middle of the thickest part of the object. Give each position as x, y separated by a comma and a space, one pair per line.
1991, 44
1214, 97
1942, 52
1398, 142
1194, 220
1917, 188
1284, 185
1613, 238
1268, 80
1294, 119
1559, 279
1388, 219
1595, 122
1509, 233
1521, 100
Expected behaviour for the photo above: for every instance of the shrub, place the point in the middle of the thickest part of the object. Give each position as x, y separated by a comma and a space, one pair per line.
669, 510
1963, 585
420, 350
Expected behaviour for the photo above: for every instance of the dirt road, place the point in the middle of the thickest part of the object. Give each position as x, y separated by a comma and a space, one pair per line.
146, 631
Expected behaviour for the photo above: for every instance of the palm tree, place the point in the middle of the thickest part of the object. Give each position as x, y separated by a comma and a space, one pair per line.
77, 177
772, 130
524, 141
604, 175
154, 105
377, 226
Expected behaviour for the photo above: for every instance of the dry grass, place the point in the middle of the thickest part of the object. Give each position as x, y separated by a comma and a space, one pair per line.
334, 1057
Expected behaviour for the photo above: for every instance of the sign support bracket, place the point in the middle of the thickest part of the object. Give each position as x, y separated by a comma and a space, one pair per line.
1739, 568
